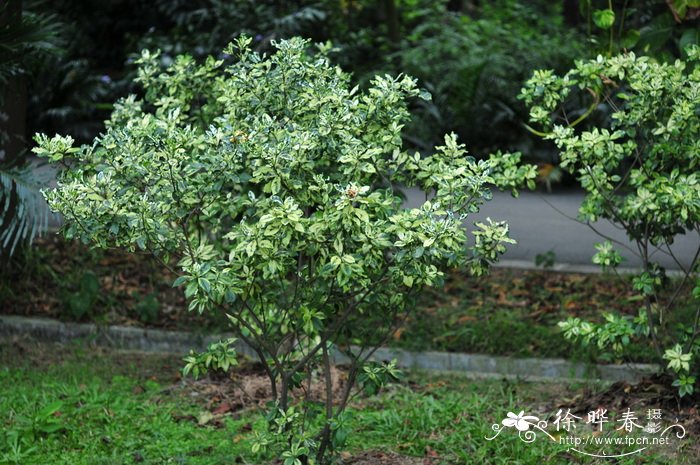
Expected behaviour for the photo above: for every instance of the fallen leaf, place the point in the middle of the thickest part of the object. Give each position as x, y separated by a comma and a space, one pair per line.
222, 408
204, 418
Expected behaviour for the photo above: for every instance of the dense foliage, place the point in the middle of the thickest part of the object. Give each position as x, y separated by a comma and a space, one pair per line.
474, 65
657, 28
640, 171
472, 56
273, 182
478, 57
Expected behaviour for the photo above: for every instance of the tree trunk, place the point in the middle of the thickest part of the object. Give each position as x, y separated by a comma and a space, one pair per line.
13, 101
456, 5
391, 16
14, 120
572, 16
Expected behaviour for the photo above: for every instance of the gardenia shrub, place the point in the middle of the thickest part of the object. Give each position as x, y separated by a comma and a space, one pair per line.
273, 184
640, 171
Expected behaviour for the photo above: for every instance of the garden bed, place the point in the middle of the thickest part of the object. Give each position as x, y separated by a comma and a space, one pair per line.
467, 315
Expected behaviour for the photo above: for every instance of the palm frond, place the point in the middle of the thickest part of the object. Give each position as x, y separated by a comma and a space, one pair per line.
24, 214
25, 43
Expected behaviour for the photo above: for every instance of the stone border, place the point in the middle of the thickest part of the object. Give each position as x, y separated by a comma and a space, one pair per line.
558, 267
179, 342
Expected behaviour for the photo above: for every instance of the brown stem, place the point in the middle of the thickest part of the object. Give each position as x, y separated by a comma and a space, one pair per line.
686, 275
696, 326
258, 346
644, 249
325, 337
352, 374
326, 432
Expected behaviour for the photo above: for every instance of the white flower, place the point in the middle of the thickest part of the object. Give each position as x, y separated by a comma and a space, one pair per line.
522, 423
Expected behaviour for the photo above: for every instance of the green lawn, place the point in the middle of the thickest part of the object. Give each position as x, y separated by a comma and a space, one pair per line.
68, 405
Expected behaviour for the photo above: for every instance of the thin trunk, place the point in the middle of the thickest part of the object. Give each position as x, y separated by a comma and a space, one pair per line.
326, 432
456, 5
391, 16
13, 99
14, 124
572, 15
644, 247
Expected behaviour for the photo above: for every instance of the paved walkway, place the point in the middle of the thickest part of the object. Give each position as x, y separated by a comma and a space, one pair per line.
542, 222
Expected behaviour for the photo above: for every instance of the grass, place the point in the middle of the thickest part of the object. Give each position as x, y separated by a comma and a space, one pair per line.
68, 405
88, 410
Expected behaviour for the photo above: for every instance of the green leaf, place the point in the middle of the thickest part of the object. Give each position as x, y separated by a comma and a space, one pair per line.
50, 409
681, 6
689, 37
418, 253
630, 38
604, 19
204, 284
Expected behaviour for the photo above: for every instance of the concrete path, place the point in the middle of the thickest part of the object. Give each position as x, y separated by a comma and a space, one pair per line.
542, 222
